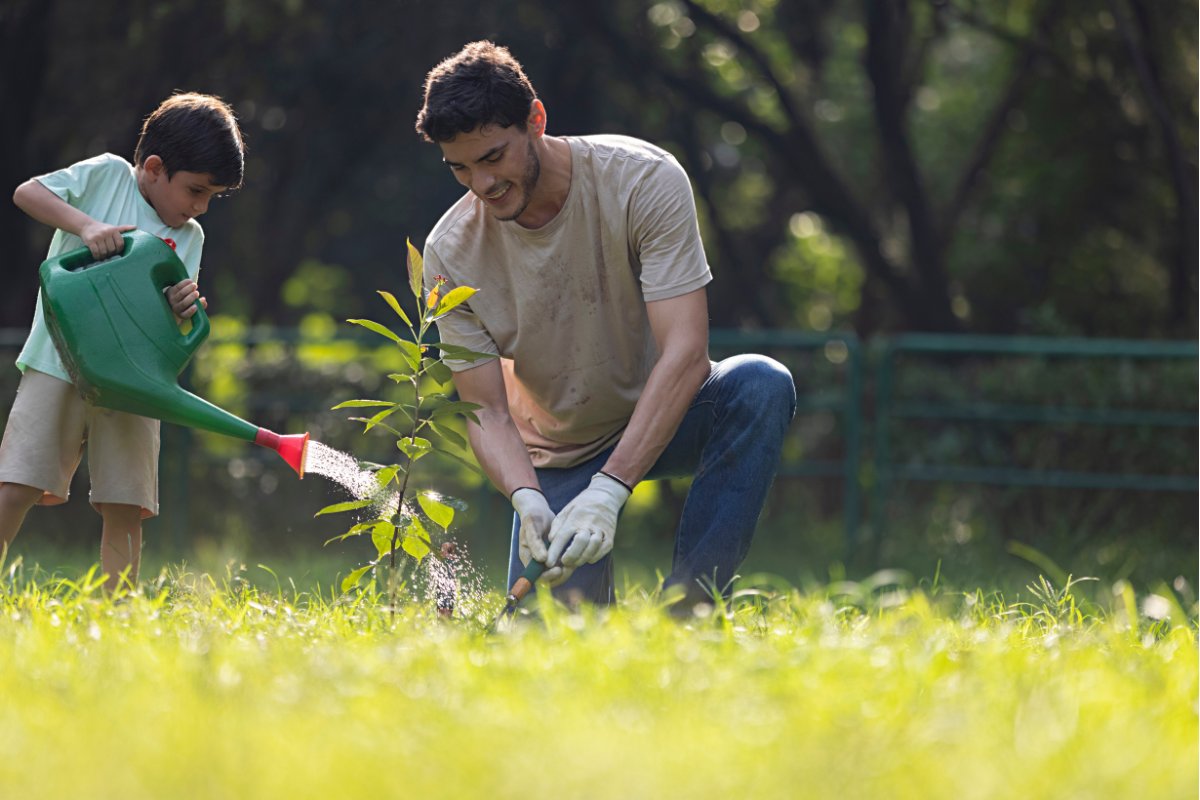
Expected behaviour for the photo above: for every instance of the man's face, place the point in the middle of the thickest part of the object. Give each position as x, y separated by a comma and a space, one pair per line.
499, 166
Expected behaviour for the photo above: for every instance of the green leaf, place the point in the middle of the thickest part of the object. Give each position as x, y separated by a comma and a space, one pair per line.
415, 528
439, 512
460, 353
381, 535
395, 304
449, 435
416, 540
384, 476
377, 328
357, 530
383, 425
414, 447
412, 353
337, 508
378, 418
416, 270
415, 547
362, 404
438, 371
457, 407
454, 298
351, 580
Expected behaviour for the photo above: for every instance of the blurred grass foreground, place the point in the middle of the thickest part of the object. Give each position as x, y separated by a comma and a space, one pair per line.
195, 687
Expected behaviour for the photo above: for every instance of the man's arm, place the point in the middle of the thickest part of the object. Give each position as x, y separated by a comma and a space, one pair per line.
500, 450
583, 532
48, 208
680, 328
495, 440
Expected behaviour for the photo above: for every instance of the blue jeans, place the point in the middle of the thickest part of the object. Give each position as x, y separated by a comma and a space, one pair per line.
729, 441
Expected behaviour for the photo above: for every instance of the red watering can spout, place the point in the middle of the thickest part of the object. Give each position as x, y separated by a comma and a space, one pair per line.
291, 448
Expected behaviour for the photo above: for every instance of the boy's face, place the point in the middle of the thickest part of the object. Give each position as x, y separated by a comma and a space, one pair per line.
179, 197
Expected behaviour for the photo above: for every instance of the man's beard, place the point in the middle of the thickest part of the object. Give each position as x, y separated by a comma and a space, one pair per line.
533, 170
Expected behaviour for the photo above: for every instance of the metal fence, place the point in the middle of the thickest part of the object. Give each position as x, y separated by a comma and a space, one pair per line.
1044, 411
863, 411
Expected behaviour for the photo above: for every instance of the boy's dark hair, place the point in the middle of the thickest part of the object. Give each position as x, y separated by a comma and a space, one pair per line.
194, 133
482, 84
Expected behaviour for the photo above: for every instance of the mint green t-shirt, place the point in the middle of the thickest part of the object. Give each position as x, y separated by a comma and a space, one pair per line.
105, 188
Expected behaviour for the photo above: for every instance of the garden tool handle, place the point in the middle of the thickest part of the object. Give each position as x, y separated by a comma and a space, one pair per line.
523, 584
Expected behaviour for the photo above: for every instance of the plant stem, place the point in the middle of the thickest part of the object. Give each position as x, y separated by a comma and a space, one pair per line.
416, 418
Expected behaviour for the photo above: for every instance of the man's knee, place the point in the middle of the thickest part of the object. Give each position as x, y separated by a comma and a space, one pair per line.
765, 385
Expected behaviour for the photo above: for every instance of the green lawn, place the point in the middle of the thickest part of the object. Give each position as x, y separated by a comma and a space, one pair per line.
214, 688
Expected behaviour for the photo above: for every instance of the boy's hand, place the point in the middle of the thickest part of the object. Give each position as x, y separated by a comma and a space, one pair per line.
104, 240
183, 296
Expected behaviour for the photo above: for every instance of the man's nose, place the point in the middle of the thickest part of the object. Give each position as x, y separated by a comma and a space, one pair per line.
484, 181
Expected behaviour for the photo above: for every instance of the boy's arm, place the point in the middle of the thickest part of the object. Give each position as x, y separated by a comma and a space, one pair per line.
46, 207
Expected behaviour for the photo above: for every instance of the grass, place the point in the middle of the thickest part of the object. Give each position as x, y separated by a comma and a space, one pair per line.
194, 686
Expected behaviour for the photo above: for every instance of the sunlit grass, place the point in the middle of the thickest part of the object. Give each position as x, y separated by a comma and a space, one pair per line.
199, 687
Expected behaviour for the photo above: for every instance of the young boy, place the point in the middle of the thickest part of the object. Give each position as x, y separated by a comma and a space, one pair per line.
190, 150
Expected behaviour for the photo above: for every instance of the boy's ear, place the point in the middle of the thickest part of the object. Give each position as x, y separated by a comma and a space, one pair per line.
154, 165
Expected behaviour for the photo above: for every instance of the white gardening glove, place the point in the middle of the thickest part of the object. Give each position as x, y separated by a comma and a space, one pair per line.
536, 516
583, 532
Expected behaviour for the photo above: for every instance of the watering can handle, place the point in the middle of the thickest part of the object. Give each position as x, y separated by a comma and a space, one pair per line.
199, 332
200, 325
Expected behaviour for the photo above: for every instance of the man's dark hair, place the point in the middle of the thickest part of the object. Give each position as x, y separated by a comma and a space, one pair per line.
194, 133
482, 84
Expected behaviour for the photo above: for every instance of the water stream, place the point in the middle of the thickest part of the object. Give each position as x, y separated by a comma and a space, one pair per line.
451, 580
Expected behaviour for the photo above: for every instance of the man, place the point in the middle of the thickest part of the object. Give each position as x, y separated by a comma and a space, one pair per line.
591, 274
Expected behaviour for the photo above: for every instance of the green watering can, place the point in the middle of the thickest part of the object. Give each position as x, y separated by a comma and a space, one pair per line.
123, 347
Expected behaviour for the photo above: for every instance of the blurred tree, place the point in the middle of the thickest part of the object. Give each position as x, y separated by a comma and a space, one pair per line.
326, 91
964, 150
1142, 26
916, 164
24, 34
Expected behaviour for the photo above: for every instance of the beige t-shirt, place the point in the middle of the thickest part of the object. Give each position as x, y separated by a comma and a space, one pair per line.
565, 305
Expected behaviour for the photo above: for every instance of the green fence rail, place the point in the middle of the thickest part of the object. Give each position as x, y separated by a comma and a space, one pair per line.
890, 412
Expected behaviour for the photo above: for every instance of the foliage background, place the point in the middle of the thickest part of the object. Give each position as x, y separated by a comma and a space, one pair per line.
947, 165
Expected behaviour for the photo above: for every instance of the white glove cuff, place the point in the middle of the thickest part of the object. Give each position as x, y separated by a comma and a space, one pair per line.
527, 498
614, 488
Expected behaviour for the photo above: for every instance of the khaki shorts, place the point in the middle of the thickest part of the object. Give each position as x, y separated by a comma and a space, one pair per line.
43, 444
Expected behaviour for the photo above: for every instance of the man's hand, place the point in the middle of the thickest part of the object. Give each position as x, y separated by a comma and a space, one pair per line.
182, 298
536, 517
583, 532
102, 239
